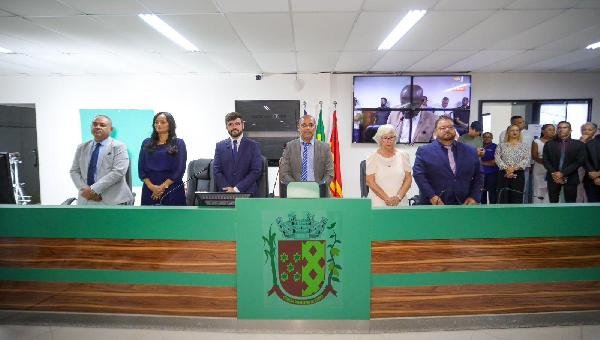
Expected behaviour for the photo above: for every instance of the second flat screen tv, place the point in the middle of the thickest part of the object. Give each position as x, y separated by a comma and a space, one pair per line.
410, 103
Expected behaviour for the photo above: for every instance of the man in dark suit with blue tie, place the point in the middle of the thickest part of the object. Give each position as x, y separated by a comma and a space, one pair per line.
447, 171
238, 161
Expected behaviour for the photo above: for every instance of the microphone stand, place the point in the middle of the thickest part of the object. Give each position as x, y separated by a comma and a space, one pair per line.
501, 191
194, 175
272, 194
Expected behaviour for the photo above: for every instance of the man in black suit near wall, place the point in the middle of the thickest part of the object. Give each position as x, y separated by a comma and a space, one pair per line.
562, 157
591, 181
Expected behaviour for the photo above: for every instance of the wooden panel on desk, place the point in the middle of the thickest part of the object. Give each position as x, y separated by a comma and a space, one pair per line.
484, 299
119, 298
147, 255
484, 254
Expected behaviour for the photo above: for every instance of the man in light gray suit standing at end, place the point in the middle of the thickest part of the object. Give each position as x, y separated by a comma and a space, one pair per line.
306, 159
99, 167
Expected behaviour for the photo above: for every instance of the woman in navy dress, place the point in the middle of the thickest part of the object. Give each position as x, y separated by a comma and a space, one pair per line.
162, 163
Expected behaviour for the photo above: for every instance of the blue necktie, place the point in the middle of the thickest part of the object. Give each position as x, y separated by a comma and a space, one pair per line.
92, 166
563, 145
234, 150
304, 173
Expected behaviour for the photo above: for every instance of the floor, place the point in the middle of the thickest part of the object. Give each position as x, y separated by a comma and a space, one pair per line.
14, 332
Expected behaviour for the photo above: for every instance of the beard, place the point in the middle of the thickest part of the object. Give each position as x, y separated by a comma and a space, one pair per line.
235, 133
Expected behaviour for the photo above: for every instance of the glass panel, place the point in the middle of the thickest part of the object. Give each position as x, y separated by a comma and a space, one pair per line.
552, 113
577, 115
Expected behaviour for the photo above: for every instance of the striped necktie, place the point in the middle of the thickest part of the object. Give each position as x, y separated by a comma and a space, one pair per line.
304, 173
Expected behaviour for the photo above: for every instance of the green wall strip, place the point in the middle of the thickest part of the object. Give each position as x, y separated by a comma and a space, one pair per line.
144, 223
117, 277
495, 221
485, 277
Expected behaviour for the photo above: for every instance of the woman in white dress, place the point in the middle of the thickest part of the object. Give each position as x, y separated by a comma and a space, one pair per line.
540, 187
388, 171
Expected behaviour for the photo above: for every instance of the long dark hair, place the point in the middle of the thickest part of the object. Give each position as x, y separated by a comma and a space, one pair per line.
171, 139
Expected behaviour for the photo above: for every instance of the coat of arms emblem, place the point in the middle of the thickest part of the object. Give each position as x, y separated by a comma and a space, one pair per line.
303, 262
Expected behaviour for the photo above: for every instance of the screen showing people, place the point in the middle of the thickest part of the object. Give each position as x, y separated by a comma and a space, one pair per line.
411, 104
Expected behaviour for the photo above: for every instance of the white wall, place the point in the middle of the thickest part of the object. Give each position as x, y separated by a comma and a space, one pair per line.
200, 103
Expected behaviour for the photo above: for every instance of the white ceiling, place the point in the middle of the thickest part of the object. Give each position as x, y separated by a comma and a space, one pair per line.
83, 37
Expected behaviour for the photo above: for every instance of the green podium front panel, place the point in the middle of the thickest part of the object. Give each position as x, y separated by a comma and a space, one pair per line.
303, 258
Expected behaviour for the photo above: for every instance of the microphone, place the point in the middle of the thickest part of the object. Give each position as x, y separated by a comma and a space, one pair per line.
194, 175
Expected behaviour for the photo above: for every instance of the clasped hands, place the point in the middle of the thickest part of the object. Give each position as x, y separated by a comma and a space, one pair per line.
437, 200
558, 177
510, 172
392, 201
90, 195
595, 176
157, 191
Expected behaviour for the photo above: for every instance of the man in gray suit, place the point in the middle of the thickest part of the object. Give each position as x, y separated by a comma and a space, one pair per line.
99, 167
306, 159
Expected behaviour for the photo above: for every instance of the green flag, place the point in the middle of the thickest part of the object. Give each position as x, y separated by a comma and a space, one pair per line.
321, 127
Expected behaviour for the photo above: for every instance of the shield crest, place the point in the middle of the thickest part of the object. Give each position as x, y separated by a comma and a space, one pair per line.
301, 266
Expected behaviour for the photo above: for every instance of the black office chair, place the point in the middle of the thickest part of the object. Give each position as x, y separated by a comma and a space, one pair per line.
364, 188
204, 181
263, 180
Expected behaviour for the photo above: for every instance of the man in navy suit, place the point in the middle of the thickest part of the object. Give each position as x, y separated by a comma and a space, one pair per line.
447, 171
238, 161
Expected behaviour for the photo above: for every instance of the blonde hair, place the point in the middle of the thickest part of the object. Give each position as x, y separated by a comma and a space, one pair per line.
519, 136
384, 130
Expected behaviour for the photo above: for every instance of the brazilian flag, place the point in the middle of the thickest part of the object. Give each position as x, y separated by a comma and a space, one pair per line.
321, 127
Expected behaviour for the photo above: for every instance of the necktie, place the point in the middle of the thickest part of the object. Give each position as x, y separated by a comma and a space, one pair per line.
304, 173
451, 158
92, 166
235, 149
563, 145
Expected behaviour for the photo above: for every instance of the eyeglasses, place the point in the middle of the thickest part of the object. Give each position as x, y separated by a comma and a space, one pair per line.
309, 125
451, 127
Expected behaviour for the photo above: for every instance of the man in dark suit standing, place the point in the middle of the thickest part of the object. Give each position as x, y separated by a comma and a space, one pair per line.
591, 181
238, 161
562, 157
447, 171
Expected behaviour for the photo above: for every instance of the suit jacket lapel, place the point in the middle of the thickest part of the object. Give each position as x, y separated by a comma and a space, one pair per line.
316, 160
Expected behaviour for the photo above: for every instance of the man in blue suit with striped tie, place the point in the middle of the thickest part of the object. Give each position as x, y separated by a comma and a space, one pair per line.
238, 161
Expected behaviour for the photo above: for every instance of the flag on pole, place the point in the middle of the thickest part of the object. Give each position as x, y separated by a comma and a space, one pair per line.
320, 127
336, 183
305, 113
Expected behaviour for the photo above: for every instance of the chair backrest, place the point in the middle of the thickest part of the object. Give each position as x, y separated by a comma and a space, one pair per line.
128, 176
364, 188
204, 181
263, 180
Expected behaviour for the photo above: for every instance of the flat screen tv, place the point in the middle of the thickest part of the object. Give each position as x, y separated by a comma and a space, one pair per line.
269, 115
411, 104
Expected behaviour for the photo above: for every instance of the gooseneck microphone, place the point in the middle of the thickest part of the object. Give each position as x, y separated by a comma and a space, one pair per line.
194, 175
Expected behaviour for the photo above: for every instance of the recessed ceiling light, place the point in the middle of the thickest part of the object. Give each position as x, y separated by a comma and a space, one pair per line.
5, 50
409, 20
168, 31
593, 46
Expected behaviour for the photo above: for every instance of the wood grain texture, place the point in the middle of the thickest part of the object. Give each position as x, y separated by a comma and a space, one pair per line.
484, 254
146, 255
117, 298
484, 299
